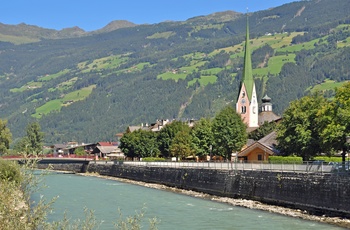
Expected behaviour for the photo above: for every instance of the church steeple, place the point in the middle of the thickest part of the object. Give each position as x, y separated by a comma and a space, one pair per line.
247, 104
247, 78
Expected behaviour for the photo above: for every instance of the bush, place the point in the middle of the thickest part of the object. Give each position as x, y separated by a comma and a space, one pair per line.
328, 159
285, 160
10, 171
152, 159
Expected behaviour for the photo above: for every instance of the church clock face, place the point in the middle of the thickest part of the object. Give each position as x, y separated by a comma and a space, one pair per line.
243, 101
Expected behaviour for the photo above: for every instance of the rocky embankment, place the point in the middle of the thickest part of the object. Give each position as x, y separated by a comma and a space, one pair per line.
345, 223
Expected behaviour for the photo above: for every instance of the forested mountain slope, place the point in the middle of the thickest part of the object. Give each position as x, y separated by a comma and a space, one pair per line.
91, 87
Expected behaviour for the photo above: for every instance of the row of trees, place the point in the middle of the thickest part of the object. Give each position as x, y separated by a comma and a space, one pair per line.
313, 125
224, 134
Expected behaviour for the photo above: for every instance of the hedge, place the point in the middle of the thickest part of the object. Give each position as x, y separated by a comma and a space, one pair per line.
328, 159
285, 160
152, 159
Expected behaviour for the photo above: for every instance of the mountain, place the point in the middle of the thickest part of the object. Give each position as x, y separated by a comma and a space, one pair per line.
225, 16
88, 87
23, 33
114, 25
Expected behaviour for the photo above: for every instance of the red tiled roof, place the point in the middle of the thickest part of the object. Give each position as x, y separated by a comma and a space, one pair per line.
104, 144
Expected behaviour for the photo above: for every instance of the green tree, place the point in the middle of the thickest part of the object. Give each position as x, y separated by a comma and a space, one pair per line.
298, 133
181, 145
202, 137
79, 151
168, 133
34, 138
229, 132
262, 131
334, 120
140, 143
5, 137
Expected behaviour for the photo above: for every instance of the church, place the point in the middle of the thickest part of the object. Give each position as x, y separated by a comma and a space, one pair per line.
247, 102
253, 116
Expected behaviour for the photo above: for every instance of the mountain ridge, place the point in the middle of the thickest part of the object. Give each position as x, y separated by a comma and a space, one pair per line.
36, 33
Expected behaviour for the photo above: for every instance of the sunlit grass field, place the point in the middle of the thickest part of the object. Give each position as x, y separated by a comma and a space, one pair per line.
56, 105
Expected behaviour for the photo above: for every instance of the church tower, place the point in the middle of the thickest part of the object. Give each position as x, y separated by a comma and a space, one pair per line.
247, 103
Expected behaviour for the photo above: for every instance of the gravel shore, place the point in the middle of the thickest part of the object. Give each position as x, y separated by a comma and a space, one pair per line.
345, 223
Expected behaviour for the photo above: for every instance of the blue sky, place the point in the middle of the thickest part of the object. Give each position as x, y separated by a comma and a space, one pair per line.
92, 14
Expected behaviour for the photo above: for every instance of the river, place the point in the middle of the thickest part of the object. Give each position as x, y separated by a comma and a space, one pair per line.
174, 211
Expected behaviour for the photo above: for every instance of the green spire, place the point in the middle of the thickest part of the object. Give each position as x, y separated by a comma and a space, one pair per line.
247, 79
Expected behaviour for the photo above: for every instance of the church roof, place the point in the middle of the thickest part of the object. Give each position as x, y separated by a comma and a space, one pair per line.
267, 116
266, 98
247, 79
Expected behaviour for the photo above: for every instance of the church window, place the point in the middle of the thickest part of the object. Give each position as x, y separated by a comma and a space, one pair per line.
244, 110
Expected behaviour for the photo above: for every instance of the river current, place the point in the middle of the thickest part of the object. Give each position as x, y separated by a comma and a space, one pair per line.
174, 211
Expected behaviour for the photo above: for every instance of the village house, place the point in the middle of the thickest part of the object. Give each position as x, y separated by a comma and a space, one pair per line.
259, 151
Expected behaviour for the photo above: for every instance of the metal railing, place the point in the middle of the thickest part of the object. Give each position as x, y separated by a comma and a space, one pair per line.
306, 167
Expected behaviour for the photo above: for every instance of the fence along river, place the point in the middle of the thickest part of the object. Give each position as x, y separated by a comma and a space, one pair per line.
174, 211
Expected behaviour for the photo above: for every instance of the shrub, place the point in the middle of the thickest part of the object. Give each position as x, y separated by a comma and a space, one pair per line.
10, 171
328, 159
151, 159
285, 160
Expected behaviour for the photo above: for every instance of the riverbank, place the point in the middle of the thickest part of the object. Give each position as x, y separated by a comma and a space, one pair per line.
345, 223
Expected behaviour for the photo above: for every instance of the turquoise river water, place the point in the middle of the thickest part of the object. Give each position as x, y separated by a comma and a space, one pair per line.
175, 211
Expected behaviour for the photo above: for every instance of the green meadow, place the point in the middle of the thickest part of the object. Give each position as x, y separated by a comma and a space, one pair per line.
195, 56
49, 77
204, 80
275, 65
296, 48
64, 85
56, 105
172, 76
29, 86
344, 43
165, 35
326, 85
212, 71
109, 62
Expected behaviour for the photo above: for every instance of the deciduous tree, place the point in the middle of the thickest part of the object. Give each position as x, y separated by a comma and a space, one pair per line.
140, 143
32, 143
34, 137
298, 133
334, 119
181, 145
168, 133
229, 132
5, 137
202, 136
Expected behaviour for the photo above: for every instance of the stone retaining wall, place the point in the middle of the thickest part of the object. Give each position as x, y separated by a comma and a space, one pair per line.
71, 167
319, 194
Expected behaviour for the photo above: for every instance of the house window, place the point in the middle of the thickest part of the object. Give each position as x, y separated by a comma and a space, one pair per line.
260, 158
